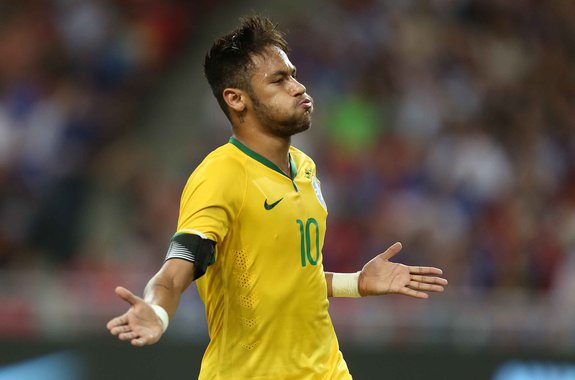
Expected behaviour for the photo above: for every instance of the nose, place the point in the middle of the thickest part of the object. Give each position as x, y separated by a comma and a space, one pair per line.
297, 88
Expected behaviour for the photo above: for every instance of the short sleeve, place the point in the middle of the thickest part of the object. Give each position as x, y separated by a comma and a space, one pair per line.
213, 198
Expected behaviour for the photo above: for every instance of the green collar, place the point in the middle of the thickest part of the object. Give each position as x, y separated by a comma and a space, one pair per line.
263, 160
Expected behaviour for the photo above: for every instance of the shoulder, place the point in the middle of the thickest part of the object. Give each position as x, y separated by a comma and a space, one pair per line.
220, 176
221, 163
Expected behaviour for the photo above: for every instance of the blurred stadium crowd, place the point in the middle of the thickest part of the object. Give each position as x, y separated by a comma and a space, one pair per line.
448, 125
72, 75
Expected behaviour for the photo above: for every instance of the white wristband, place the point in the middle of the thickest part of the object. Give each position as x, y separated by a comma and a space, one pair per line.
345, 285
162, 314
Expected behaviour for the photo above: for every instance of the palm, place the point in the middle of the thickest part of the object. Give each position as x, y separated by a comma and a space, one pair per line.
140, 324
143, 321
381, 276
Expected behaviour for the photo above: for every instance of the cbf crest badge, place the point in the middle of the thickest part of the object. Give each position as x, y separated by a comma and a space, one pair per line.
317, 188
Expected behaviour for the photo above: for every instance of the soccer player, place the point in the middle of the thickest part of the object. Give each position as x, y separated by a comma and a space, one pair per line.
251, 229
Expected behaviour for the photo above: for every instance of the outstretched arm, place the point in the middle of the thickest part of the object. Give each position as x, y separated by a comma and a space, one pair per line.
381, 276
140, 324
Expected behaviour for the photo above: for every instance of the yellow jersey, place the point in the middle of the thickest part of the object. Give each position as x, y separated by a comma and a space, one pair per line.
265, 295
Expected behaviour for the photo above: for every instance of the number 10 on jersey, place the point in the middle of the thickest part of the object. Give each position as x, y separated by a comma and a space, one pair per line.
306, 243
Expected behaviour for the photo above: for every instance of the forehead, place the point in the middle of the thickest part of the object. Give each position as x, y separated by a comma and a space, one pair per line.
271, 60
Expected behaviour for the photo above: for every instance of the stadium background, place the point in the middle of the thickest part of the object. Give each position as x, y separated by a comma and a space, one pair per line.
448, 125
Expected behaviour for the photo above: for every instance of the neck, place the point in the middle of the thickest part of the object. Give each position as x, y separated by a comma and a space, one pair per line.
274, 148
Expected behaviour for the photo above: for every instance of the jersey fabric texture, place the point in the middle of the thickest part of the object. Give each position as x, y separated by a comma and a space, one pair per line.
265, 294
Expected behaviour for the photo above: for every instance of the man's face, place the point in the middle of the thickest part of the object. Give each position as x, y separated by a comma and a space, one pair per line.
279, 101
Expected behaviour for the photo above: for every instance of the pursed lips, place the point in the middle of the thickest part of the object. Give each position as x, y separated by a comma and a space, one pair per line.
307, 102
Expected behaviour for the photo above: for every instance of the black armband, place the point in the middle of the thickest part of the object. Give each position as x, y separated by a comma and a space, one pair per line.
193, 248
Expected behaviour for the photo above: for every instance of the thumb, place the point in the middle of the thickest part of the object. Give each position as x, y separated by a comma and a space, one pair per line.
391, 251
127, 295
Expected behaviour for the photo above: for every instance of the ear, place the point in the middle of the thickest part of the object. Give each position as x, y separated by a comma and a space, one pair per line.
235, 99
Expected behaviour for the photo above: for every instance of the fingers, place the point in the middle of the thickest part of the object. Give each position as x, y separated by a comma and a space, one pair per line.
128, 336
118, 321
429, 280
391, 251
136, 339
140, 341
127, 295
120, 329
125, 333
413, 293
420, 281
425, 270
425, 287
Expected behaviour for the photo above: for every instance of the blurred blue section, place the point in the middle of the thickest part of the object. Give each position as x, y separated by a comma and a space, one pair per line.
56, 366
520, 370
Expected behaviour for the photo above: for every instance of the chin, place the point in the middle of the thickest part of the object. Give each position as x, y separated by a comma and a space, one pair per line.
293, 126
293, 130
302, 127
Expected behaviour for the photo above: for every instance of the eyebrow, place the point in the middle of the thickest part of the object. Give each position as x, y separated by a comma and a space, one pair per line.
284, 73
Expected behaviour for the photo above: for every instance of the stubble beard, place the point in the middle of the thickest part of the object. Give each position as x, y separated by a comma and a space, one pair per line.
285, 127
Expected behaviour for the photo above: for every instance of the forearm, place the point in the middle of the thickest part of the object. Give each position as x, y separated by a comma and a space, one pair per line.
167, 286
162, 291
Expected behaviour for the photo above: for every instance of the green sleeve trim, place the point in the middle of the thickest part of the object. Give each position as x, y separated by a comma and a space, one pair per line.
190, 231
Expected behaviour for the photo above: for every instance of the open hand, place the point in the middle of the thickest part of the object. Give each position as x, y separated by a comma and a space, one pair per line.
140, 325
381, 276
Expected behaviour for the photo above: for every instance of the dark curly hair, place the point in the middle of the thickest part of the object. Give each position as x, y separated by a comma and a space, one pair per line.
228, 64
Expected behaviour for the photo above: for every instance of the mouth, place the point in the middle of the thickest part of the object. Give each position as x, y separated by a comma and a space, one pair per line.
306, 103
